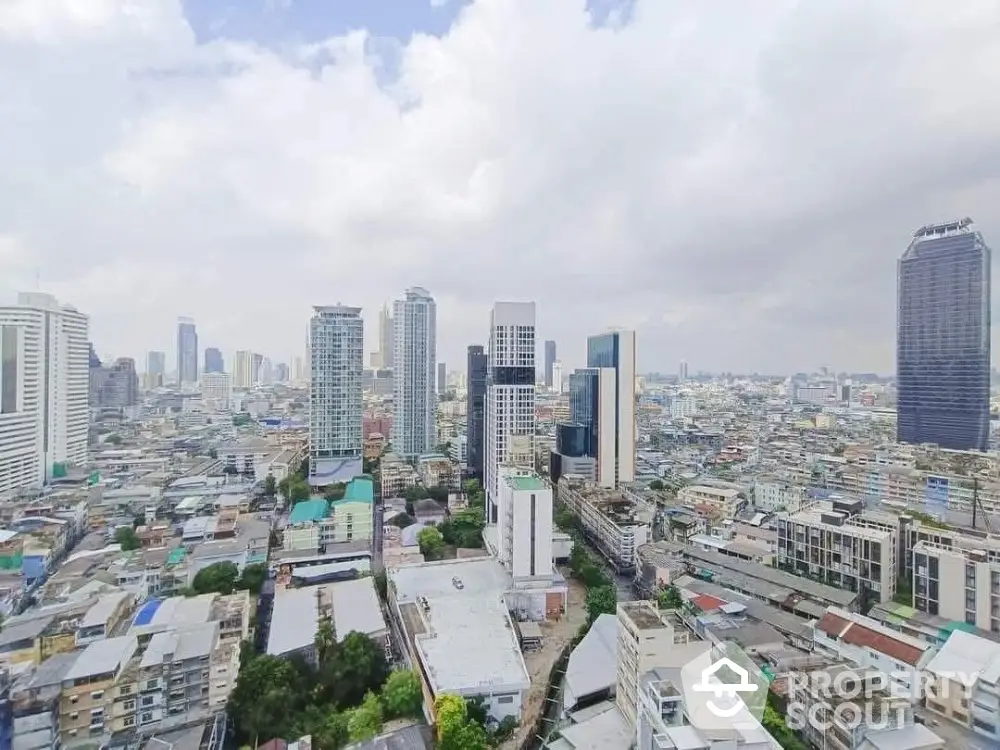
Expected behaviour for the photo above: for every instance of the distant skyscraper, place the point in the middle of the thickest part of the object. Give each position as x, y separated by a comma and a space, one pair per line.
550, 360
442, 377
558, 378
213, 360
44, 390
216, 390
682, 371
475, 410
256, 362
337, 348
616, 441
187, 351
414, 425
120, 386
281, 372
943, 338
510, 395
242, 370
156, 369
383, 358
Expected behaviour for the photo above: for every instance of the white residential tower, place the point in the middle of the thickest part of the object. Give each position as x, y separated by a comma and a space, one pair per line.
414, 320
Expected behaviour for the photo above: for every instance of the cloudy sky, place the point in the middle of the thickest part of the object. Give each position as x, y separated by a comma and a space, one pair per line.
733, 179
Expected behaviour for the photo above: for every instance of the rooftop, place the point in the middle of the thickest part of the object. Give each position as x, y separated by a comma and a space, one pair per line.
179, 645
102, 657
360, 489
526, 483
309, 511
468, 642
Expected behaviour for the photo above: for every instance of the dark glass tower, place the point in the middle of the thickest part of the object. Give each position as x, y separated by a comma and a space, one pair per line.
476, 410
583, 404
943, 338
213, 360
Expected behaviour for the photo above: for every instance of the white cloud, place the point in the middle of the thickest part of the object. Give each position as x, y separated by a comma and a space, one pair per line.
737, 179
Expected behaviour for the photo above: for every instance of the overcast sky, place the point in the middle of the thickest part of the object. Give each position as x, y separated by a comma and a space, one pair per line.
733, 179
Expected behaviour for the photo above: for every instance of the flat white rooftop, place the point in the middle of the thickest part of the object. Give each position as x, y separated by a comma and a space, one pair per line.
468, 645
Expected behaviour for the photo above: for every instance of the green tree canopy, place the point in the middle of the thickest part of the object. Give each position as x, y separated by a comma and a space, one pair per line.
127, 538
269, 693
414, 493
219, 577
402, 694
402, 520
252, 577
335, 492
656, 484
270, 485
670, 598
365, 721
464, 529
601, 600
431, 543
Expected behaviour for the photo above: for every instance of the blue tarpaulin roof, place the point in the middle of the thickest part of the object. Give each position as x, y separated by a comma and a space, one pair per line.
147, 612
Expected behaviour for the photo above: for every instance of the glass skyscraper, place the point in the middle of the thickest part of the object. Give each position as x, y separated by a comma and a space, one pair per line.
478, 376
943, 338
187, 351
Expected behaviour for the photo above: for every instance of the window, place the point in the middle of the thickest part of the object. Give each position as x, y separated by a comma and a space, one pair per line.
97, 695
505, 699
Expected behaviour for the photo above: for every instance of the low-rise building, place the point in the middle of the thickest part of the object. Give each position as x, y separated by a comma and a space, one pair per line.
616, 525
726, 501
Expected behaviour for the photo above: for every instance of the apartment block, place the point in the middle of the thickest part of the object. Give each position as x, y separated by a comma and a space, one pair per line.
963, 684
616, 525
724, 501
88, 687
958, 584
829, 544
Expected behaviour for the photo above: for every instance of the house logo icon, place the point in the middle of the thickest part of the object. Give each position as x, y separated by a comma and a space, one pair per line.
727, 703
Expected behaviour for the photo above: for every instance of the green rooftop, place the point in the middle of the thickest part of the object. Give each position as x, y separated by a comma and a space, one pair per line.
360, 490
309, 511
526, 483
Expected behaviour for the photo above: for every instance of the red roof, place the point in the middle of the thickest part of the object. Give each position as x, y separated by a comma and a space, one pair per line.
707, 603
856, 634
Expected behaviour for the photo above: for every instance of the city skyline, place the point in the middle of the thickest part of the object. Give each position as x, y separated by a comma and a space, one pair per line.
750, 229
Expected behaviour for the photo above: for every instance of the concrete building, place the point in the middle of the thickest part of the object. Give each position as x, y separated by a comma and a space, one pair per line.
87, 687
442, 377
615, 524
156, 370
958, 583
510, 397
216, 390
213, 360
550, 361
44, 390
336, 442
414, 395
242, 370
524, 522
830, 544
458, 633
963, 684
723, 501
187, 352
616, 350
384, 358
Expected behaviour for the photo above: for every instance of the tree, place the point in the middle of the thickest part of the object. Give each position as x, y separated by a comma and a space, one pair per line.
113, 439
333, 733
656, 485
127, 538
359, 666
365, 721
431, 543
219, 577
270, 485
438, 493
450, 713
335, 492
601, 600
670, 598
463, 529
268, 694
414, 493
252, 578
299, 491
402, 520
402, 694
381, 584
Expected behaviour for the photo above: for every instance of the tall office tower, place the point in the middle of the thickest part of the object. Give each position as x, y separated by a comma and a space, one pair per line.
558, 379
414, 425
242, 370
281, 372
265, 372
550, 360
213, 360
156, 369
943, 338
120, 387
475, 409
615, 350
187, 351
337, 348
682, 371
442, 377
299, 370
44, 390
510, 395
386, 339
216, 390
256, 360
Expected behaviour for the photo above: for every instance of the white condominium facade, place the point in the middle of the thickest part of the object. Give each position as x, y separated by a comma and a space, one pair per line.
44, 390
414, 319
510, 395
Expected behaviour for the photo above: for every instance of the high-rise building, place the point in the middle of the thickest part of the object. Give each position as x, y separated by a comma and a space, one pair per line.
281, 372
382, 358
213, 360
442, 378
943, 338
615, 425
414, 398
558, 379
44, 390
156, 369
265, 372
336, 407
682, 371
475, 409
187, 351
120, 386
550, 360
510, 395
242, 370
216, 390
524, 525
